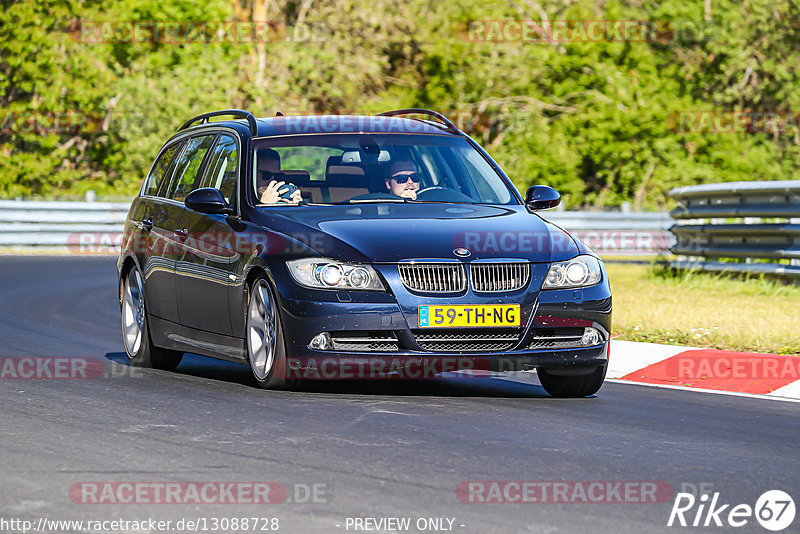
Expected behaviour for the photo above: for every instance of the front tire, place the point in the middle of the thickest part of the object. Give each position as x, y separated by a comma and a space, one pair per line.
135, 332
572, 386
266, 350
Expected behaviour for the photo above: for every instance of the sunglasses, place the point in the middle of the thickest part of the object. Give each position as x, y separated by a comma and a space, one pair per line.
403, 178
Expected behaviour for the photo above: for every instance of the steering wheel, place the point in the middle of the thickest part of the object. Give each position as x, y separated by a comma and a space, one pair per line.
431, 188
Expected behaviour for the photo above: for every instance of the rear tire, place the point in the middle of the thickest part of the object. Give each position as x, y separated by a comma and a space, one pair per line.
135, 331
572, 386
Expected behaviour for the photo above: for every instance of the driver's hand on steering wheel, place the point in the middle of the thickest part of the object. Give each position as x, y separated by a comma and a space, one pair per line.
410, 194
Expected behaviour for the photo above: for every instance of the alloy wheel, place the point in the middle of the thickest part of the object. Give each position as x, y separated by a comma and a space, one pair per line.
133, 312
261, 330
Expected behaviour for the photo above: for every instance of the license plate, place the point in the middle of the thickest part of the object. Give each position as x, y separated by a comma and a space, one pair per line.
465, 316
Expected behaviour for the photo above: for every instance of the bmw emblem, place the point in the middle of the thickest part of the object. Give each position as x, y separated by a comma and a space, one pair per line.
462, 252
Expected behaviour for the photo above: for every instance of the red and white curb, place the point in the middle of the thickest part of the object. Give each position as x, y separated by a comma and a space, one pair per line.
708, 370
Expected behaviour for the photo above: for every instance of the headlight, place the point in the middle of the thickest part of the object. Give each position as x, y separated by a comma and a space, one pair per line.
578, 272
320, 273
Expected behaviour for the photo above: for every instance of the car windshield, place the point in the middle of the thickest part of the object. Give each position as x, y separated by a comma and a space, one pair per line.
355, 168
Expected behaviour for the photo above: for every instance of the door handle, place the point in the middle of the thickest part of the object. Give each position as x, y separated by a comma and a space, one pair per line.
183, 232
147, 225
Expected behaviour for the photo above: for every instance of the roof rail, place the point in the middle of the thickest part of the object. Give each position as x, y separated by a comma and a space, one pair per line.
447, 123
238, 113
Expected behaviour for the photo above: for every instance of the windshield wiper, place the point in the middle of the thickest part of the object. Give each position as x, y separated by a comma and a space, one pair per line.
378, 200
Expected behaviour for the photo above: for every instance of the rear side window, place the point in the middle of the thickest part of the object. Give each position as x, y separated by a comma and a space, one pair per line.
159, 170
188, 166
222, 166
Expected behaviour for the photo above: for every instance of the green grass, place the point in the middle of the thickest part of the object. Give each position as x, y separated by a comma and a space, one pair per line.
654, 304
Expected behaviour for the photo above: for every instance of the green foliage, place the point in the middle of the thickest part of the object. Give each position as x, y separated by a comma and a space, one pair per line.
594, 119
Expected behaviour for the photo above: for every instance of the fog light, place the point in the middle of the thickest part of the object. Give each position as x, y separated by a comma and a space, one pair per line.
591, 336
321, 341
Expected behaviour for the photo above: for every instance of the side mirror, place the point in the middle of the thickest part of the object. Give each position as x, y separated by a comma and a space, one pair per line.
541, 197
207, 200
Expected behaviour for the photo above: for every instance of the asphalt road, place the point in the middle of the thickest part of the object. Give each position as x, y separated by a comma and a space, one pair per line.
379, 449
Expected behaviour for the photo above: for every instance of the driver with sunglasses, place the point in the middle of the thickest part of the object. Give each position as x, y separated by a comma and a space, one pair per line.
404, 179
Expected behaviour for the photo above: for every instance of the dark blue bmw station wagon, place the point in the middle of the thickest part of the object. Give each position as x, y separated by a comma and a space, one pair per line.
381, 246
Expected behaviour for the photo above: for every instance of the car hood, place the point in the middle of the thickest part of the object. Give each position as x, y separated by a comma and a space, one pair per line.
391, 232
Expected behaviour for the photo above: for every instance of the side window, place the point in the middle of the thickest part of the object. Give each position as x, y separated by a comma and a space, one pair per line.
221, 169
159, 170
188, 165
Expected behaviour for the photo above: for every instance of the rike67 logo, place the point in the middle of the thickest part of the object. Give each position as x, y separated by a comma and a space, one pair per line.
774, 510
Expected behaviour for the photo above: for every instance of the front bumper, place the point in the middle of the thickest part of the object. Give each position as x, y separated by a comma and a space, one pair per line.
307, 313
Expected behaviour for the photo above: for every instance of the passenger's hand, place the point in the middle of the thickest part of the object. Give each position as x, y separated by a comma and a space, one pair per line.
272, 194
297, 197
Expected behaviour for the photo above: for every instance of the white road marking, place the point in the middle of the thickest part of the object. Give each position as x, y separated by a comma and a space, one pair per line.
629, 356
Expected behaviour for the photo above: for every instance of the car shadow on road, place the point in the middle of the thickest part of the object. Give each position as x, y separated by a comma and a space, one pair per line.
199, 366
486, 386
510, 385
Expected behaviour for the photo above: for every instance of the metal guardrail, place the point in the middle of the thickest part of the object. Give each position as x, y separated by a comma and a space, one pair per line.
58, 224
617, 233
86, 227
609, 220
738, 227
